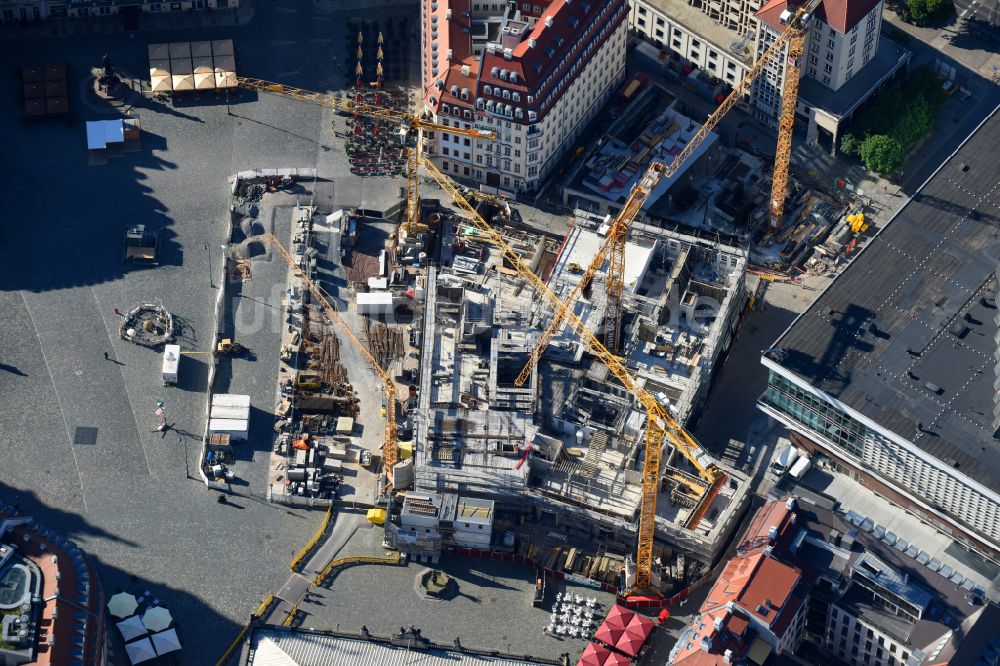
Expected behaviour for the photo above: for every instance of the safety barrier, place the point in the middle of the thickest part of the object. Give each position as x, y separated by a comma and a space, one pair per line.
308, 548
262, 610
392, 559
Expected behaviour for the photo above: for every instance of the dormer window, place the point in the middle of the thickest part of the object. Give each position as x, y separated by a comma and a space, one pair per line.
503, 74
517, 97
513, 77
506, 94
487, 90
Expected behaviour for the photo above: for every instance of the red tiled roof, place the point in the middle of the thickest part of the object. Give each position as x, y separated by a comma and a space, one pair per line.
768, 588
752, 582
841, 14
773, 514
61, 625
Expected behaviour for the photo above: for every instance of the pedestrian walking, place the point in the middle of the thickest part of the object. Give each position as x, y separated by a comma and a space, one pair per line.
106, 358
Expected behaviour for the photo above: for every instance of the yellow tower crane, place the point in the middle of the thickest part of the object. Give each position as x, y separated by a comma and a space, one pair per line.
614, 244
410, 132
659, 423
390, 452
795, 36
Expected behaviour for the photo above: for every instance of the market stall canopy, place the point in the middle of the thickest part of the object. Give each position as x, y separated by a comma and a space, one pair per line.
615, 659
166, 641
122, 604
225, 79
630, 643
159, 67
607, 634
222, 47
203, 65
225, 63
201, 49
157, 618
132, 627
140, 651
161, 84
593, 655
180, 50
639, 625
376, 516
181, 66
183, 82
158, 52
204, 81
619, 616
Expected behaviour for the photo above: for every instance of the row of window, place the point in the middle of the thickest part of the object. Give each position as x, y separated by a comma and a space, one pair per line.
815, 413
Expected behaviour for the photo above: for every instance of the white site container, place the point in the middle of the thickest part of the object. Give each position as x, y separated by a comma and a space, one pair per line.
230, 400
226, 412
235, 428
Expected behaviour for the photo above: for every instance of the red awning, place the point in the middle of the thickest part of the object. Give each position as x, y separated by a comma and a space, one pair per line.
640, 625
630, 643
607, 634
594, 655
615, 659
619, 616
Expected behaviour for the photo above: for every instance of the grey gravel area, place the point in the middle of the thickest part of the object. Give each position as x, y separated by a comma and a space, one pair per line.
127, 499
491, 610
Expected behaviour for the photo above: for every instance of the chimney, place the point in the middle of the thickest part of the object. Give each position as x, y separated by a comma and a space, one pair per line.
772, 533
727, 656
790, 504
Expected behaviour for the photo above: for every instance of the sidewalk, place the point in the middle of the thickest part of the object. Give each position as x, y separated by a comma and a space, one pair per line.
148, 22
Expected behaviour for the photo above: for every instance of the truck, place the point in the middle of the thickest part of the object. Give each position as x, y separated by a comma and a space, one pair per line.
801, 466
786, 457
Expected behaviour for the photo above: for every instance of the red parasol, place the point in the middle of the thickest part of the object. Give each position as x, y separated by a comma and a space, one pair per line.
619, 616
594, 655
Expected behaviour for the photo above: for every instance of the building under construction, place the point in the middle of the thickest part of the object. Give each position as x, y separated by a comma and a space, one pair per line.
566, 447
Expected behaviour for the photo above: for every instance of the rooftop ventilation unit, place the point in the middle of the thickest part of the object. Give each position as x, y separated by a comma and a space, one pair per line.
548, 21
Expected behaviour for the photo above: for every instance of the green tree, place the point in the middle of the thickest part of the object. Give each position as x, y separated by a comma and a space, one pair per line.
882, 154
849, 144
927, 11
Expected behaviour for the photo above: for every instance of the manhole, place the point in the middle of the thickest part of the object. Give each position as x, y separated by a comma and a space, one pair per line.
85, 436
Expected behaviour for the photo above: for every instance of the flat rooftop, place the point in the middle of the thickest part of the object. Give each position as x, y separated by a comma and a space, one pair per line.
700, 24
906, 335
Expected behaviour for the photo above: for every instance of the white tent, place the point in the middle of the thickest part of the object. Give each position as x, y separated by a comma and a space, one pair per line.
140, 651
166, 641
132, 628
122, 604
157, 618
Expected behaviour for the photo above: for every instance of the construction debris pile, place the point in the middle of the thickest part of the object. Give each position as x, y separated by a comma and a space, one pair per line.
386, 344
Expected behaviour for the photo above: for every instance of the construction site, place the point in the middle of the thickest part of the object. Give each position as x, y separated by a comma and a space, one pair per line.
721, 189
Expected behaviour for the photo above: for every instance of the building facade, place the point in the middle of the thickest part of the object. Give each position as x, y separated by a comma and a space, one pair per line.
842, 38
535, 74
846, 59
801, 575
898, 468
719, 44
41, 10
